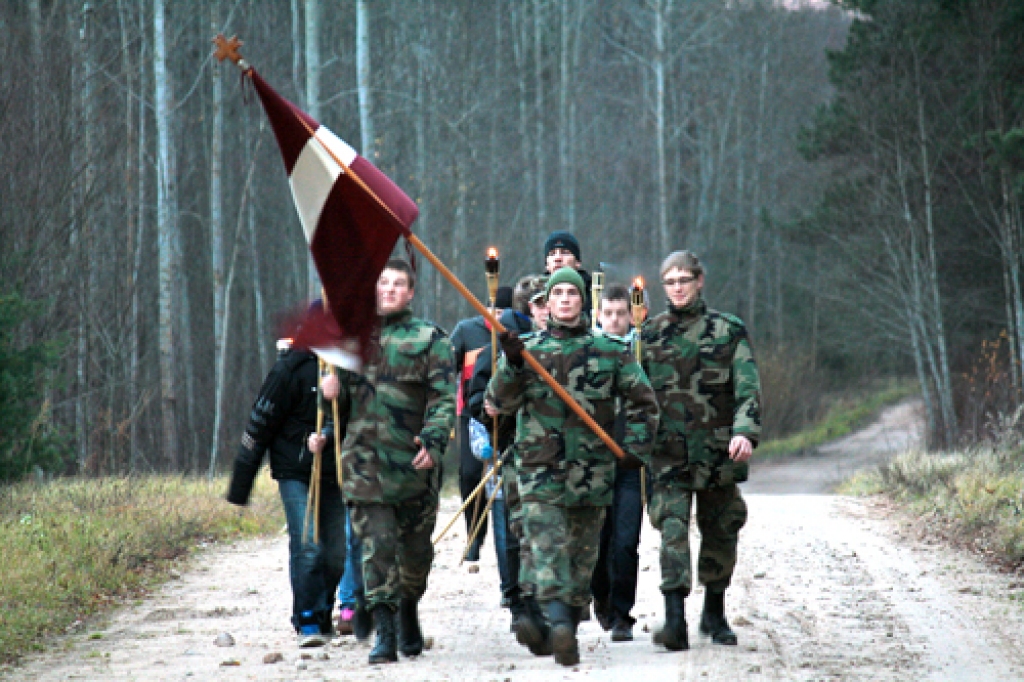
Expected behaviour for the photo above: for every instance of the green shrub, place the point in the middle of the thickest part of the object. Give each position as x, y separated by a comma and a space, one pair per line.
27, 438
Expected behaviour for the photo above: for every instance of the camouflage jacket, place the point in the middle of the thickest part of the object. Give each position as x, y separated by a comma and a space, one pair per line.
406, 390
701, 367
559, 459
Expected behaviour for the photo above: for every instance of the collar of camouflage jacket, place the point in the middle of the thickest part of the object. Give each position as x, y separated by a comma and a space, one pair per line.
561, 330
691, 312
395, 317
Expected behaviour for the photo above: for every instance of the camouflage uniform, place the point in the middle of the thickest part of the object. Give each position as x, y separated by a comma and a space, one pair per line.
701, 367
566, 474
406, 390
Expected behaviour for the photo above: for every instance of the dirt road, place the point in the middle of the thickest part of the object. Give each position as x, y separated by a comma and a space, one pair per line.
828, 588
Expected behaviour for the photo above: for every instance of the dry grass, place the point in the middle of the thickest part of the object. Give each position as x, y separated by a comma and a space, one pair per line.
74, 547
977, 494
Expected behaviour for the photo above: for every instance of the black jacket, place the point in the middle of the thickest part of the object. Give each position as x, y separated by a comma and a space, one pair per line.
281, 420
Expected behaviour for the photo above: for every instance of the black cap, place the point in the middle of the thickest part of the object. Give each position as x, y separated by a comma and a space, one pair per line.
563, 240
503, 297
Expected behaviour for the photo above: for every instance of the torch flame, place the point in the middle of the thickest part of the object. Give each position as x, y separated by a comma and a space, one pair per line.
638, 283
492, 253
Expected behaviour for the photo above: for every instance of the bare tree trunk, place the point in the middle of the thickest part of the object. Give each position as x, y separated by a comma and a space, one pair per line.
661, 10
520, 42
217, 241
946, 384
538, 141
167, 238
131, 223
297, 30
135, 397
423, 165
563, 109
756, 213
312, 101
87, 222
363, 76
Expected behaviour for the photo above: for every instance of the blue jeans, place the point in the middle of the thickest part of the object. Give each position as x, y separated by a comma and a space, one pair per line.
315, 569
508, 581
615, 575
352, 581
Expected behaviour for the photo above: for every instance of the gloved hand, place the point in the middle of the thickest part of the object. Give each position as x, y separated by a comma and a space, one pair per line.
513, 347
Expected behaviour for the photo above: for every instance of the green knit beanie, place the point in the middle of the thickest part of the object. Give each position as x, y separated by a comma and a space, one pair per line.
566, 276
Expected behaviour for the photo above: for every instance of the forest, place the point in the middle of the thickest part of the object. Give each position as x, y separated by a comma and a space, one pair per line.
851, 172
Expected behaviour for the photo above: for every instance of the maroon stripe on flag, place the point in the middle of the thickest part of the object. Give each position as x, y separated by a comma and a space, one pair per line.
286, 120
351, 246
404, 208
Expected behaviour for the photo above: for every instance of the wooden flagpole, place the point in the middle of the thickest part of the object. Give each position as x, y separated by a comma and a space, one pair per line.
228, 49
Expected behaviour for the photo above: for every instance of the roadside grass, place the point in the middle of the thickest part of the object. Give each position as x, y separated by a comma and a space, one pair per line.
844, 417
973, 496
75, 547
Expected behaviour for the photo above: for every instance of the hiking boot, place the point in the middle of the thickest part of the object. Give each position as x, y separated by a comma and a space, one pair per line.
384, 622
310, 632
344, 623
673, 635
532, 629
712, 620
518, 610
564, 620
410, 637
622, 630
362, 623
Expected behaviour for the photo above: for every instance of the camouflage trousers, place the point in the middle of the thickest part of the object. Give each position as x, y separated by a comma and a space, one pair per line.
721, 513
397, 552
514, 507
564, 543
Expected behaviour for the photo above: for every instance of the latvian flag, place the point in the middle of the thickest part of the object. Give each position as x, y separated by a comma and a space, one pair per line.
352, 215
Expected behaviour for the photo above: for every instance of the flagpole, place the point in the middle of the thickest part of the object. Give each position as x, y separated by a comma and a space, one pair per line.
228, 49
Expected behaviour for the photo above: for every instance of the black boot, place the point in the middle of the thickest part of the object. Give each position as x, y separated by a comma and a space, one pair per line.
712, 620
517, 607
410, 637
384, 622
674, 636
532, 630
564, 619
362, 623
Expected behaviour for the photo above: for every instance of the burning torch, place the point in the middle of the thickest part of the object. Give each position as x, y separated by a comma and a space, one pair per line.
596, 287
639, 310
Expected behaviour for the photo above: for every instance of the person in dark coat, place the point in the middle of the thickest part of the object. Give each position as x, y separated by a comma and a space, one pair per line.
468, 339
283, 414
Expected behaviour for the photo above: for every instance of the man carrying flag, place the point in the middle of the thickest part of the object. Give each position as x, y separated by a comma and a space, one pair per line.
402, 410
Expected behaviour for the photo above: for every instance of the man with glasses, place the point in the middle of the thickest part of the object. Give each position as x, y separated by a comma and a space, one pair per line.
700, 365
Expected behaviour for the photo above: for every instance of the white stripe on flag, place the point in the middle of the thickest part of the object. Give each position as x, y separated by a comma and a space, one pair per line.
314, 174
339, 358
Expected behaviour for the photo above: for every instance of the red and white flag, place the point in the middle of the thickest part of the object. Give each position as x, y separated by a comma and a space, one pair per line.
352, 215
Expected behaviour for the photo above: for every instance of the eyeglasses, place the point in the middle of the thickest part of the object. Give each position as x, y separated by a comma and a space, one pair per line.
678, 280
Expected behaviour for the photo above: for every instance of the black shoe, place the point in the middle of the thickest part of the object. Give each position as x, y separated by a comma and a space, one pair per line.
564, 619
674, 636
410, 637
712, 620
518, 609
384, 622
532, 629
622, 631
603, 611
362, 622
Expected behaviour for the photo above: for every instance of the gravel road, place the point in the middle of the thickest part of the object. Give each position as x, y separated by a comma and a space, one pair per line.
827, 588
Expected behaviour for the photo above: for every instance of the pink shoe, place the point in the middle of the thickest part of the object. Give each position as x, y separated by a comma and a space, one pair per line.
345, 621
